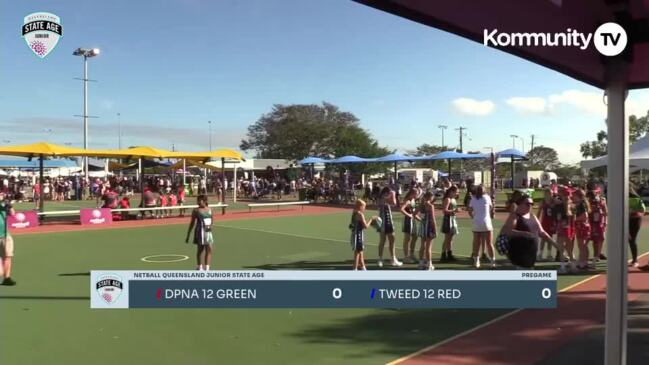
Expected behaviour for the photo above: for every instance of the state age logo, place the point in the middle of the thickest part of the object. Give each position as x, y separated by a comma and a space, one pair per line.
42, 32
109, 287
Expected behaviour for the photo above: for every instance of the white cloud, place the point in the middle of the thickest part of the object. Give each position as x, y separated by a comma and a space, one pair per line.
472, 107
528, 105
637, 105
584, 101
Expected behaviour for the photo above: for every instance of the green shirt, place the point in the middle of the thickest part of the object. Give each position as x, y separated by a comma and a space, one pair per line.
4, 212
636, 205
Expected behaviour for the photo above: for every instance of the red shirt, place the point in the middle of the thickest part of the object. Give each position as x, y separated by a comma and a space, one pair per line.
37, 188
173, 200
163, 200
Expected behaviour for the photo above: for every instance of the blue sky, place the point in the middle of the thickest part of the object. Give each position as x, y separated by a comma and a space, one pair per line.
170, 66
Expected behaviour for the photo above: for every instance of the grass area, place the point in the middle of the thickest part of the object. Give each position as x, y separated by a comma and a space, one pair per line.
46, 317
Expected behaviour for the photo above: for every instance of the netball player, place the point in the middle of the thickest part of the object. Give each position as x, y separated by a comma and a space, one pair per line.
358, 225
386, 200
201, 223
548, 222
409, 227
598, 219
427, 230
449, 223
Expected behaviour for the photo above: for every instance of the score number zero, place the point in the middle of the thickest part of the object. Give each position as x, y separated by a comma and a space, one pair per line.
546, 293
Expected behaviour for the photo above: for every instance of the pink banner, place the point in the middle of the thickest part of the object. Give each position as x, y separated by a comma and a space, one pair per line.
20, 220
96, 216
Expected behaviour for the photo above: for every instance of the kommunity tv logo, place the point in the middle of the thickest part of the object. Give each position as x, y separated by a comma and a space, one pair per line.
609, 39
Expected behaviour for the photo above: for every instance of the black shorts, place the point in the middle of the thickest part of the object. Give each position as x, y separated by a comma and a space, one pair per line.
387, 228
522, 252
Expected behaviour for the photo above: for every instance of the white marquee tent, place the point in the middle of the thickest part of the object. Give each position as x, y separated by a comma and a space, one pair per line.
638, 156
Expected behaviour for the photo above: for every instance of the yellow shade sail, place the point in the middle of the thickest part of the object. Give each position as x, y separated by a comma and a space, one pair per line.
222, 153
40, 148
52, 150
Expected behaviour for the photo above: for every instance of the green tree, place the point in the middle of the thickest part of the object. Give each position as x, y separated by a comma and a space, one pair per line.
297, 131
638, 127
542, 158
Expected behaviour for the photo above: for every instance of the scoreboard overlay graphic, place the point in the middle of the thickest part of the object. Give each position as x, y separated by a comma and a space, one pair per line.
323, 289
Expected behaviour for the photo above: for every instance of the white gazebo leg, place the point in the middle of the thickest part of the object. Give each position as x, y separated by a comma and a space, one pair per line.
618, 226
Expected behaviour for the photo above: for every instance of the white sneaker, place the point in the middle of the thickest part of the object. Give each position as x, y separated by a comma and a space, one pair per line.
431, 267
364, 268
476, 263
493, 264
379, 263
396, 263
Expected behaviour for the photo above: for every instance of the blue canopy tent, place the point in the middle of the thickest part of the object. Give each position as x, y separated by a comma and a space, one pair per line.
312, 161
395, 158
451, 155
513, 154
349, 159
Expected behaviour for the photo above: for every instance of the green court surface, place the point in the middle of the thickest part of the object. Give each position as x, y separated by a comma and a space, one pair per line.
46, 318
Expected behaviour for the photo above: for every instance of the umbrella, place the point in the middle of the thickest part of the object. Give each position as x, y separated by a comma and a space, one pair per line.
513, 154
350, 159
616, 73
451, 155
395, 158
311, 160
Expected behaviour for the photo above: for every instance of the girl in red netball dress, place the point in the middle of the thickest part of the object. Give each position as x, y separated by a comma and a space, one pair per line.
548, 222
582, 227
598, 217
564, 221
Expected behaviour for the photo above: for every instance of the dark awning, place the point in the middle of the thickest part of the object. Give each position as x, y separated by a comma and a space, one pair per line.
470, 18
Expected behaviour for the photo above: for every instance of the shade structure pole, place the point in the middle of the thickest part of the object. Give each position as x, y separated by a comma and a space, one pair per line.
492, 186
513, 168
106, 169
41, 182
449, 169
184, 172
235, 184
141, 177
618, 228
396, 176
223, 184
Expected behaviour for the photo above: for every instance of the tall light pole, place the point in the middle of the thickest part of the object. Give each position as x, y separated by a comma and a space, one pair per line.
119, 131
513, 136
209, 122
442, 127
86, 53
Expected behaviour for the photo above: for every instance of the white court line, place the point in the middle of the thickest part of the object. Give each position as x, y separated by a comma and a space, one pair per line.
306, 237
177, 259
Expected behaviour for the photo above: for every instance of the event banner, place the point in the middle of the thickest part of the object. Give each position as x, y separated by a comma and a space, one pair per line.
20, 220
323, 289
96, 216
